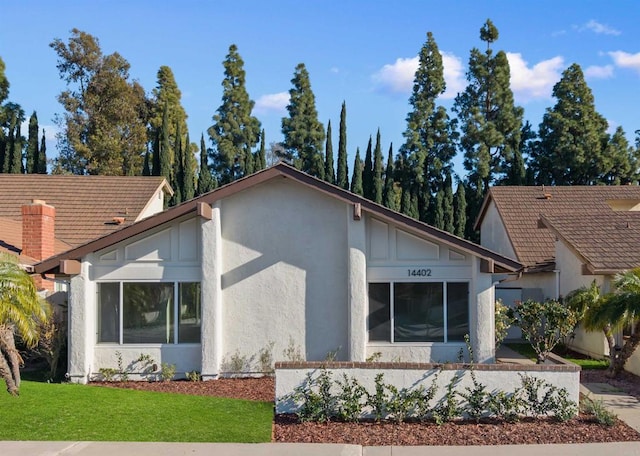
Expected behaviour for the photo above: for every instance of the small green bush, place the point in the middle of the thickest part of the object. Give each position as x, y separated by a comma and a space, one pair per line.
601, 413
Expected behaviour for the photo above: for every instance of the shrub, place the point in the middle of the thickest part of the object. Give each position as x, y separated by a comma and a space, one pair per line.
597, 408
448, 408
350, 399
503, 322
378, 399
194, 376
167, 371
265, 359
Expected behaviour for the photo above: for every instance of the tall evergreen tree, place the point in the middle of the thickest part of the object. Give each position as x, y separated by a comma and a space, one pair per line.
356, 179
390, 195
178, 170
205, 180
622, 160
33, 140
573, 137
42, 155
490, 121
460, 211
438, 210
303, 132
164, 152
235, 131
329, 172
146, 165
189, 189
448, 206
13, 153
261, 156
342, 174
378, 168
367, 171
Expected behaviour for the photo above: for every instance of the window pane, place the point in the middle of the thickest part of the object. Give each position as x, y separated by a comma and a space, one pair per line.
147, 313
190, 313
379, 311
457, 310
108, 312
418, 312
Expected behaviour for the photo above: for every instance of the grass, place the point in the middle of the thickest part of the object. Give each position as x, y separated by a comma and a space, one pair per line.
91, 413
585, 363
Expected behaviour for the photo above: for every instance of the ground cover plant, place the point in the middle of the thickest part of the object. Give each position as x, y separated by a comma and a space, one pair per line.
585, 362
47, 411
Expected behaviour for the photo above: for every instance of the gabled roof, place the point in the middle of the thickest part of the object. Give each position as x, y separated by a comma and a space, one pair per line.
281, 171
11, 241
606, 243
520, 208
85, 205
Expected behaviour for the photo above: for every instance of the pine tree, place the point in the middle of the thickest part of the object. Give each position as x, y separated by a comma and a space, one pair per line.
573, 138
490, 121
31, 166
390, 195
378, 181
205, 180
235, 131
342, 175
303, 133
42, 155
146, 165
460, 211
623, 161
329, 173
367, 171
356, 179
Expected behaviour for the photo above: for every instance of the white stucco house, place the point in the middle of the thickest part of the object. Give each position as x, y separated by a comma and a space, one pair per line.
277, 259
566, 238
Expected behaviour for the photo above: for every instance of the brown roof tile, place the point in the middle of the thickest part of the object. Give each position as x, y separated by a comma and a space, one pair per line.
567, 207
11, 241
85, 205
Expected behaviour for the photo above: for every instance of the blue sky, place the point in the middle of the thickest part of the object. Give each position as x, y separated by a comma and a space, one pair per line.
362, 52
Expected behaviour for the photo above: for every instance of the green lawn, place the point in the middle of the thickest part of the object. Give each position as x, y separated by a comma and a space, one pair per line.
79, 412
584, 363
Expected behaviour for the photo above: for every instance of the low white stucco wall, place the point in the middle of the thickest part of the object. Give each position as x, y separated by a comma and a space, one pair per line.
416, 352
496, 377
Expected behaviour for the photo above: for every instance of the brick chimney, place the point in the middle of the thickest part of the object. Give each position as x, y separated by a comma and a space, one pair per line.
38, 235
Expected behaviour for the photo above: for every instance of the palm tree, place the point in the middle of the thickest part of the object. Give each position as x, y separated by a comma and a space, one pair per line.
21, 311
613, 312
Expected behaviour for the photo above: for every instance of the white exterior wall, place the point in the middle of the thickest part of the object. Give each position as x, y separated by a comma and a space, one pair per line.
493, 234
285, 271
154, 206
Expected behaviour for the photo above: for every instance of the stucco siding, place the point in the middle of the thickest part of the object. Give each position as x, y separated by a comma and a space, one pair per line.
285, 276
493, 234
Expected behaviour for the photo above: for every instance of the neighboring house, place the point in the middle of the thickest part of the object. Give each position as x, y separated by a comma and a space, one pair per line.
566, 237
41, 215
277, 260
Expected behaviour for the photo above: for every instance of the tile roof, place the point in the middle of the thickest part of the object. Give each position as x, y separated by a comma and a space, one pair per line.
85, 205
281, 170
521, 207
609, 243
11, 241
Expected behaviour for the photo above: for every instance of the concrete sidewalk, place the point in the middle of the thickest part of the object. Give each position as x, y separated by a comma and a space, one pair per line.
308, 449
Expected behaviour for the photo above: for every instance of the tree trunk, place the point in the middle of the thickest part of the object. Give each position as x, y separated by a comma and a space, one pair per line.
628, 348
611, 341
10, 358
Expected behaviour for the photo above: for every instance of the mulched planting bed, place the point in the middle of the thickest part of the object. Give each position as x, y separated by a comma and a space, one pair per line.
286, 428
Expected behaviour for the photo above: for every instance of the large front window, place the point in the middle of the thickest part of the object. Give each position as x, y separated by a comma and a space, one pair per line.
418, 311
146, 312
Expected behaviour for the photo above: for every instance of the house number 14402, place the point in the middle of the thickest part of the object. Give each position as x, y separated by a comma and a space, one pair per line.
419, 272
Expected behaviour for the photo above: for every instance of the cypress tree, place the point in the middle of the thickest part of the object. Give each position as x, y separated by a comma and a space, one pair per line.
189, 190
329, 173
378, 182
15, 143
178, 170
448, 206
438, 215
235, 131
155, 157
389, 187
367, 171
165, 149
42, 155
356, 179
303, 133
460, 211
342, 175
261, 156
32, 145
205, 180
146, 166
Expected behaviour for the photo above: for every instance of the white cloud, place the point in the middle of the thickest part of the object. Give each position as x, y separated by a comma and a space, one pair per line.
535, 82
599, 72
334, 70
626, 60
453, 75
397, 78
601, 29
272, 102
